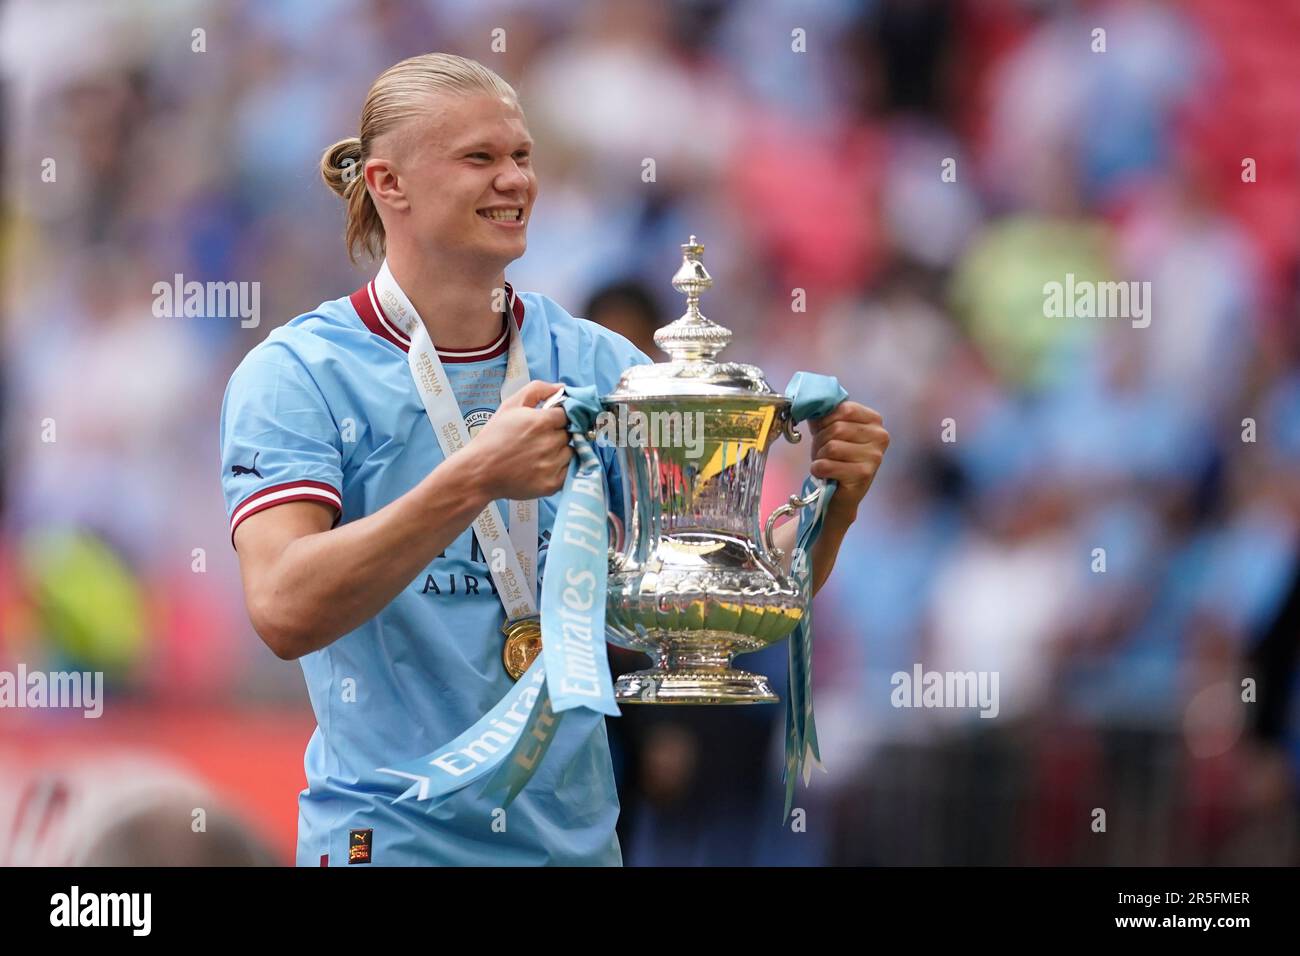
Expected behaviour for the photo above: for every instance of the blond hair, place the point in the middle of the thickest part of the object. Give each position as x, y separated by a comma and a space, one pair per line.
399, 93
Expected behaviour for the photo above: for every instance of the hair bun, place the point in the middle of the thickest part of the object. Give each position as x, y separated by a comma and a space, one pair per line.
340, 165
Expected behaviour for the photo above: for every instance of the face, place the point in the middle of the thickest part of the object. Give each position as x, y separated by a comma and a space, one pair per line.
462, 181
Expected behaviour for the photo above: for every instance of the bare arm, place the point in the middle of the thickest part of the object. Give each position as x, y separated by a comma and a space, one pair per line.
306, 585
824, 549
848, 445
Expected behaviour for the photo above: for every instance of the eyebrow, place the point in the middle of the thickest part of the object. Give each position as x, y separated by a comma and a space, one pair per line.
475, 147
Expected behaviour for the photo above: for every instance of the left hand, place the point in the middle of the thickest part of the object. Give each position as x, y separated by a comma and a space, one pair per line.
848, 445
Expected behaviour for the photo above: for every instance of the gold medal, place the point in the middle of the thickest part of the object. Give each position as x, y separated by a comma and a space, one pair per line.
523, 644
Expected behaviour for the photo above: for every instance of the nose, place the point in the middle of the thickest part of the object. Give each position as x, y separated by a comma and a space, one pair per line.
512, 179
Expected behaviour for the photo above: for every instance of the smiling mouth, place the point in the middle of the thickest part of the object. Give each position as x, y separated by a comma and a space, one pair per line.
515, 214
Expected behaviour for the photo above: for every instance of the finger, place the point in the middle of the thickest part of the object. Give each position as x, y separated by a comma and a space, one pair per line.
847, 411
555, 451
845, 472
850, 451
876, 437
555, 398
543, 456
532, 393
849, 431
556, 418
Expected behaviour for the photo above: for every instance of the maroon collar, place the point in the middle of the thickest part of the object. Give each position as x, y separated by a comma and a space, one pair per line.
372, 314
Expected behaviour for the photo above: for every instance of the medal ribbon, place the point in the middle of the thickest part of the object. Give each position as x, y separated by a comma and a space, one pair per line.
811, 396
517, 583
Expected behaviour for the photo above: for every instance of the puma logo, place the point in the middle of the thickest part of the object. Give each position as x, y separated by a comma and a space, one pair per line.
250, 470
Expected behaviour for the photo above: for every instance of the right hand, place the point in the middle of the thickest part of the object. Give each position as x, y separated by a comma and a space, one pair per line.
523, 452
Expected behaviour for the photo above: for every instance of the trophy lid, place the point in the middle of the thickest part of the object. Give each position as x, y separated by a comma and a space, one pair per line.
692, 342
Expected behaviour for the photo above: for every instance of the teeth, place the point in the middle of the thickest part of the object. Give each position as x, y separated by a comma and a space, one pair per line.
503, 215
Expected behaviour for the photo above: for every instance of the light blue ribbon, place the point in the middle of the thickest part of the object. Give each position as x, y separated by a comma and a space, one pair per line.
506, 745
478, 750
811, 396
572, 671
573, 589
573, 603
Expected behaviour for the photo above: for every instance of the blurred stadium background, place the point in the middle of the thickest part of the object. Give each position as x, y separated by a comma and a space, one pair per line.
818, 171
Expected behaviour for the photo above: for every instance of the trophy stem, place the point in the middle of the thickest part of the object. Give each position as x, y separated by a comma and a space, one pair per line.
695, 675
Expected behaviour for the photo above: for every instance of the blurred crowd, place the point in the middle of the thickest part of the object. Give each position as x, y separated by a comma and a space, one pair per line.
1106, 515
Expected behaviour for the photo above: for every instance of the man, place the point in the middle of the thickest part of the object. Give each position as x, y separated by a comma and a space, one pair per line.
361, 538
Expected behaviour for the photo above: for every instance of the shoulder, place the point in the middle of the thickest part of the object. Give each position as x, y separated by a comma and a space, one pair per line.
592, 346
316, 345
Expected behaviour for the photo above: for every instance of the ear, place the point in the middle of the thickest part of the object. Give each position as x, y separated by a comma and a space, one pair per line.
386, 187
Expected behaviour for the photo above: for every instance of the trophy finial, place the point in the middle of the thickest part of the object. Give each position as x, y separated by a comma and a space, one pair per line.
692, 337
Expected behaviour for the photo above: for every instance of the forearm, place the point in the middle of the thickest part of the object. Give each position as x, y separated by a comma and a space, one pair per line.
824, 550
324, 585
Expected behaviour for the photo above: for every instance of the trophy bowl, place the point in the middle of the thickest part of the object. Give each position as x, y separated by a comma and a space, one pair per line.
694, 580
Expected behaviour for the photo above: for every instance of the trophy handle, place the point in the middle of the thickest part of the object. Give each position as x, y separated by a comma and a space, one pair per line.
788, 428
794, 437
789, 508
615, 528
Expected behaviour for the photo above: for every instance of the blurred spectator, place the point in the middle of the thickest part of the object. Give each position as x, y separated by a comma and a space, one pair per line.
1106, 515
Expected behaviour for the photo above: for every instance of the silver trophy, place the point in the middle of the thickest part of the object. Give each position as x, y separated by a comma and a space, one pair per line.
695, 580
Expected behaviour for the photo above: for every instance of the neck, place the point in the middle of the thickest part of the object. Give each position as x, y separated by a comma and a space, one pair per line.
455, 304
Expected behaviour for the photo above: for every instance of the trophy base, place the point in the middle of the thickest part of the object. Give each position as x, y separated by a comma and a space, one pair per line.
721, 686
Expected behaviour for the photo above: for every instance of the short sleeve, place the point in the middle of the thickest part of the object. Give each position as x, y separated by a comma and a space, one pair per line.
279, 442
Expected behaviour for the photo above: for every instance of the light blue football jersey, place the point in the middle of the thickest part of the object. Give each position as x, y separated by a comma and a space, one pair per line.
325, 409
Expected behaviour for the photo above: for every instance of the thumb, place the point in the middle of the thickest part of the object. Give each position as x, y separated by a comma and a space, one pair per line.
532, 393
